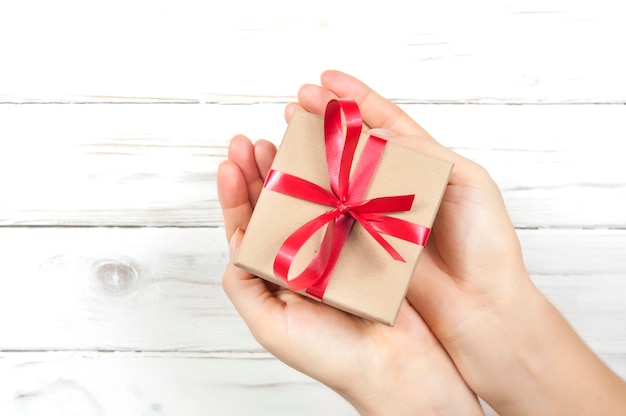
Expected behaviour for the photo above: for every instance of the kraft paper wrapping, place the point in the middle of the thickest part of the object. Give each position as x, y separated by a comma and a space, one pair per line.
366, 281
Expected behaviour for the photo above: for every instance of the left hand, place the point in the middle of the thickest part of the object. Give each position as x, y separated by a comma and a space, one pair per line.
379, 369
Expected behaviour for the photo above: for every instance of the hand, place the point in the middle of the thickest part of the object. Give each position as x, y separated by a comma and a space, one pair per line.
379, 369
472, 289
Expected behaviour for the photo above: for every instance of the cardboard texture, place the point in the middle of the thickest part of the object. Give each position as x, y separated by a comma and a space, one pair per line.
366, 281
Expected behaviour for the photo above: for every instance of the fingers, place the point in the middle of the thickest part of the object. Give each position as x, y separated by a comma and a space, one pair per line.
425, 146
289, 109
314, 98
240, 180
233, 196
377, 111
241, 152
463, 168
264, 153
315, 106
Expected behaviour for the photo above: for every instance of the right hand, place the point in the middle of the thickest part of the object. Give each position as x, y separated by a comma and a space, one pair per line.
472, 289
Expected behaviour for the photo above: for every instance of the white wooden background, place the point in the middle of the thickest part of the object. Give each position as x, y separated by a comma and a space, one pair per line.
114, 116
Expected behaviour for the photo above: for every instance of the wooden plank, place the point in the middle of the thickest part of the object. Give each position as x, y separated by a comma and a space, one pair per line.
133, 320
446, 51
128, 165
109, 289
122, 384
158, 289
156, 384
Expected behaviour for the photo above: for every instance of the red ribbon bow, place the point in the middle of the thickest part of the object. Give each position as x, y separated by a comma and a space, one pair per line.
346, 199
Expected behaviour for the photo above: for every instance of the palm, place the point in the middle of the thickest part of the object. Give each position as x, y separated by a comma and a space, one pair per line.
340, 350
299, 323
472, 242
325, 342
462, 267
471, 286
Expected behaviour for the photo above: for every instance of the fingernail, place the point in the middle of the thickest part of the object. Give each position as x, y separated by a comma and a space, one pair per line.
380, 132
233, 245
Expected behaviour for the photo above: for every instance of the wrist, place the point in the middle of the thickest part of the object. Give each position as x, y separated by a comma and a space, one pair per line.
525, 343
561, 371
429, 385
490, 343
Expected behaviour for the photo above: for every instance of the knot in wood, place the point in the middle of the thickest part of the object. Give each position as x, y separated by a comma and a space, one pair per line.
116, 277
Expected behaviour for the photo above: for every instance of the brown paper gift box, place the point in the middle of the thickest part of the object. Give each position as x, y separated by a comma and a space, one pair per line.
366, 281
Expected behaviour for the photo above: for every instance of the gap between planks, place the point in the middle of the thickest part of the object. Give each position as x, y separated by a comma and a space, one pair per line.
245, 100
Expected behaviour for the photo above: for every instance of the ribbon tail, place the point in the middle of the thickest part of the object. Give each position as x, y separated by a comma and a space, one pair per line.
405, 230
291, 185
341, 230
397, 203
379, 238
321, 265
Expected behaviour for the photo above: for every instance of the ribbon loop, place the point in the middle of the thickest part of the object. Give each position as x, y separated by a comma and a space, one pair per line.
339, 155
346, 199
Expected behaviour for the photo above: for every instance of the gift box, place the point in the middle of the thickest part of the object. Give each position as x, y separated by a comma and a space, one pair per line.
343, 217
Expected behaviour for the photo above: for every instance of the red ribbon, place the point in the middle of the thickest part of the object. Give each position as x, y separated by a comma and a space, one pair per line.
346, 199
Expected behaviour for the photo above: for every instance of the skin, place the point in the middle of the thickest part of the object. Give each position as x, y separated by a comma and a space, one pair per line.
473, 320
364, 361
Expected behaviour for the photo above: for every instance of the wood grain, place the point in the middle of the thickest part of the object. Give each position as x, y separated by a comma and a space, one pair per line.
128, 384
159, 289
154, 165
446, 51
114, 118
